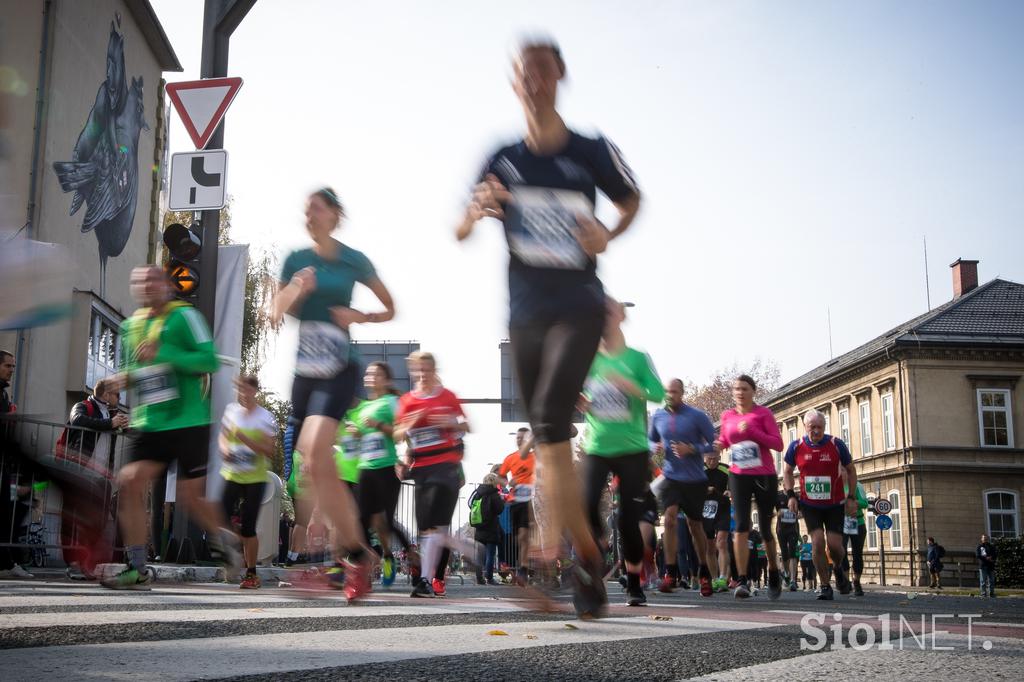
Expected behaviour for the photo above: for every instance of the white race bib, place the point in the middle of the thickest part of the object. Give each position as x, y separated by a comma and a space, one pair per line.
323, 350
522, 492
710, 509
372, 447
818, 487
786, 516
154, 384
850, 525
425, 437
349, 447
607, 402
541, 226
746, 454
241, 459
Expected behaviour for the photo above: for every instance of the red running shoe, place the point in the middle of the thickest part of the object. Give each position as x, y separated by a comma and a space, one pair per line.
357, 580
438, 587
705, 587
668, 584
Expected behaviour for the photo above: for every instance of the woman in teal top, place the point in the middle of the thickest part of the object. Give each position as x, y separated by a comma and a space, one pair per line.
620, 384
379, 485
316, 289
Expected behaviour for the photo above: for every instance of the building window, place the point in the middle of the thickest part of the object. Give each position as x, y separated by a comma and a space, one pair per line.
888, 423
994, 417
104, 347
828, 422
896, 532
869, 523
844, 425
792, 434
1001, 513
865, 427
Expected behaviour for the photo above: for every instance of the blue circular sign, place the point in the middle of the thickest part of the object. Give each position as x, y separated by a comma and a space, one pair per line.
883, 522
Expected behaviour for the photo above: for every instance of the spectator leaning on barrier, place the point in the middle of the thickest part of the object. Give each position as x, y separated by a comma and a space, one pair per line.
6, 372
99, 413
986, 553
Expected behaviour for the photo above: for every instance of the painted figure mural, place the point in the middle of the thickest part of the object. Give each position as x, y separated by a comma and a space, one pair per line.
104, 169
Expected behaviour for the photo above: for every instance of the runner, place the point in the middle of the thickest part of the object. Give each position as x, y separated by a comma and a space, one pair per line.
247, 434
854, 533
316, 287
621, 382
751, 433
717, 512
543, 189
684, 434
431, 417
787, 528
807, 572
300, 489
522, 465
167, 352
379, 486
821, 459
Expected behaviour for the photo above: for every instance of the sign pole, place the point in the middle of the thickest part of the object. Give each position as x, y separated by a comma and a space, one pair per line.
881, 553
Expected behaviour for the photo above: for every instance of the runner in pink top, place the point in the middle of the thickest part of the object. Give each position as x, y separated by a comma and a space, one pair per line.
750, 433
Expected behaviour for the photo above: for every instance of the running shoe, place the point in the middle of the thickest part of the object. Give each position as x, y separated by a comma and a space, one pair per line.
774, 585
387, 571
18, 571
792, 586
741, 591
421, 589
684, 584
843, 582
129, 579
588, 595
733, 584
357, 579
229, 555
250, 582
668, 584
705, 587
335, 577
623, 583
719, 585
826, 594
636, 597
859, 592
438, 587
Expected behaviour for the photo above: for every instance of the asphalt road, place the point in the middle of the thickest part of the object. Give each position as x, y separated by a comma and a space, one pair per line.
72, 630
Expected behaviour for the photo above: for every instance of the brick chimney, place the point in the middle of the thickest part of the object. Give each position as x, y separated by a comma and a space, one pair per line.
965, 276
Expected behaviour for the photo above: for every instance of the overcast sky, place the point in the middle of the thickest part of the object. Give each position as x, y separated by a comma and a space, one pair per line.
792, 156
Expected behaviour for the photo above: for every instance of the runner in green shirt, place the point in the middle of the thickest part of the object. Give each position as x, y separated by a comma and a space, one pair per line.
855, 535
620, 384
167, 354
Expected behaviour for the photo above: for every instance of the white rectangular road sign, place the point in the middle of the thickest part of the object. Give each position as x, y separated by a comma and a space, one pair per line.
198, 180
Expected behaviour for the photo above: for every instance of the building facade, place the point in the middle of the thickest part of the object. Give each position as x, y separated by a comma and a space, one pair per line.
84, 131
931, 411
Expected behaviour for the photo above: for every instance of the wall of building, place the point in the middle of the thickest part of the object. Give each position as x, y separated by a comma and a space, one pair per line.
80, 50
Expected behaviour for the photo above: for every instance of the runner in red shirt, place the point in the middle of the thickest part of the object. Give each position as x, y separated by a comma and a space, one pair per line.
430, 417
821, 459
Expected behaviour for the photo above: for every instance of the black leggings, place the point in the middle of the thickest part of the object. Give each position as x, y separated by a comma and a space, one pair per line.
552, 360
437, 494
858, 549
632, 473
378, 493
765, 491
251, 497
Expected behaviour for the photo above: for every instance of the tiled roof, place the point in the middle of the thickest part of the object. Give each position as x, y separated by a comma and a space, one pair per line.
991, 314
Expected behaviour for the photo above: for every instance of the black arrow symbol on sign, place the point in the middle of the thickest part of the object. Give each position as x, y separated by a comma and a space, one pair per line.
203, 178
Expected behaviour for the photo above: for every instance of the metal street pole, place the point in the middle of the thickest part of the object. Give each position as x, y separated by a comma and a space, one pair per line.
220, 19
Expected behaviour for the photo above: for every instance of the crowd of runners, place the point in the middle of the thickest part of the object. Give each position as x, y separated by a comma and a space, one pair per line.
349, 455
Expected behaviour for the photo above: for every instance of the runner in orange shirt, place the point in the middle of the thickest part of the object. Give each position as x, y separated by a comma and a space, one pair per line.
522, 465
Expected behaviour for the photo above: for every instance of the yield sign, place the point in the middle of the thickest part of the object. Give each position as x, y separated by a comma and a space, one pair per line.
201, 104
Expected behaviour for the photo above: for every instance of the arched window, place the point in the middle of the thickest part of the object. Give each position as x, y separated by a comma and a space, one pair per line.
896, 532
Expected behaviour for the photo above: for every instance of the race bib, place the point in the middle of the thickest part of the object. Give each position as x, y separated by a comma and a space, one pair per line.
350, 447
710, 509
786, 516
426, 437
818, 487
323, 350
541, 227
241, 459
607, 402
372, 447
522, 493
155, 384
746, 455
850, 525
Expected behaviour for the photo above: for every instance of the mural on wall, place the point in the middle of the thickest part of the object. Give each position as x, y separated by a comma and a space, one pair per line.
104, 169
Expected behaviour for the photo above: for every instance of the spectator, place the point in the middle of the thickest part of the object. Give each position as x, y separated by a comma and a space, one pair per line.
12, 511
986, 554
487, 531
935, 554
99, 413
6, 372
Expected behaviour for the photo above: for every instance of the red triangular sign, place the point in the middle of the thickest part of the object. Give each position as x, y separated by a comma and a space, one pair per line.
201, 104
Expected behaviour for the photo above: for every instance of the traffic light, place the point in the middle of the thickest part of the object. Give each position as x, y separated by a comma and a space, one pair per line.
183, 245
